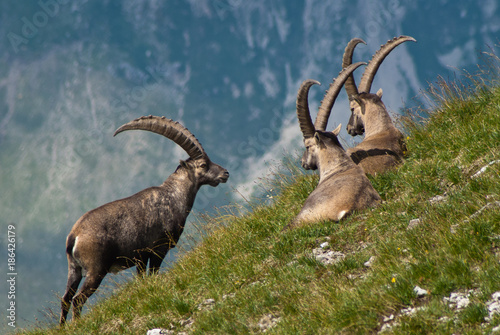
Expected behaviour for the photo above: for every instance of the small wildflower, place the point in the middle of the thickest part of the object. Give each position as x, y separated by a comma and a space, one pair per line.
393, 279
407, 137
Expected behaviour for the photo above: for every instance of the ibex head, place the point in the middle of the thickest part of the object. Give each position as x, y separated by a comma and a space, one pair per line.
320, 141
310, 131
356, 125
199, 166
360, 97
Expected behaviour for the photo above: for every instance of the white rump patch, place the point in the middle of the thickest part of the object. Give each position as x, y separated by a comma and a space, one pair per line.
77, 261
342, 214
74, 248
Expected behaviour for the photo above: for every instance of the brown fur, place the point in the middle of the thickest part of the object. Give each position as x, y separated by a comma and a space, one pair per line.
382, 149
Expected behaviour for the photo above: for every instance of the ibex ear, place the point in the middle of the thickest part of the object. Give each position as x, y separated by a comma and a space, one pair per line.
317, 138
184, 164
380, 92
361, 104
336, 131
355, 98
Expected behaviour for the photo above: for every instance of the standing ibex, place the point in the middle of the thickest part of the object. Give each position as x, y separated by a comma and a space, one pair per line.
142, 227
343, 187
383, 145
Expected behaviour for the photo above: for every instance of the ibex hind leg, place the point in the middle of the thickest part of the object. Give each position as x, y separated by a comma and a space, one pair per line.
74, 278
90, 285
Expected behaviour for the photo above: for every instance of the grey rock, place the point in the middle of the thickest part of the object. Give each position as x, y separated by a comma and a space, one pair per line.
484, 168
485, 207
493, 306
228, 296
267, 322
369, 263
159, 331
324, 245
328, 257
413, 223
458, 300
420, 292
186, 322
207, 304
438, 198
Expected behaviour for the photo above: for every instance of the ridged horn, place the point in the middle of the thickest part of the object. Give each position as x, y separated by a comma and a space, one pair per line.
377, 59
170, 129
350, 84
303, 114
331, 95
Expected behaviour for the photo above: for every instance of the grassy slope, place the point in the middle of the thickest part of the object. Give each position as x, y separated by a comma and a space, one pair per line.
252, 269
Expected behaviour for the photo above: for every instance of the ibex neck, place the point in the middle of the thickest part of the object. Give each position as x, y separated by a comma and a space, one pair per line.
377, 120
181, 176
333, 161
183, 185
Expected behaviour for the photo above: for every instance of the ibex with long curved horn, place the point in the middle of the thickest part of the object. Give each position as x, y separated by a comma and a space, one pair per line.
343, 186
383, 146
142, 227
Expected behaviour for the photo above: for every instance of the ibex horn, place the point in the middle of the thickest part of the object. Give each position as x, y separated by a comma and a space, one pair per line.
377, 59
303, 114
350, 84
170, 129
331, 95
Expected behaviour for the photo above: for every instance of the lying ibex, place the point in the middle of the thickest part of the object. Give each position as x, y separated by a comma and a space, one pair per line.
142, 227
343, 186
324, 109
383, 146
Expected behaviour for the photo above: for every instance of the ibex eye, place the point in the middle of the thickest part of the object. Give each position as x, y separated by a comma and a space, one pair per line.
203, 166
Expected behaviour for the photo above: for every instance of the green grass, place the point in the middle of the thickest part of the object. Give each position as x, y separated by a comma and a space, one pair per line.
250, 268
